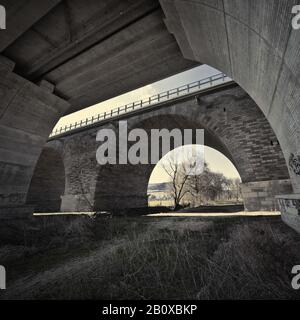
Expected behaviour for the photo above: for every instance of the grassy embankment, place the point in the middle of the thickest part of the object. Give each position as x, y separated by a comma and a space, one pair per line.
150, 258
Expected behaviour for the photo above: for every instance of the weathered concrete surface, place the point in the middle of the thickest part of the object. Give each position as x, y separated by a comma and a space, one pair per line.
253, 42
21, 15
27, 116
290, 209
48, 182
94, 50
233, 124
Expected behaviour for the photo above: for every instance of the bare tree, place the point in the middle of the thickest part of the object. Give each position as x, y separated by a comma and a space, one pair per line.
179, 173
198, 188
198, 185
236, 189
208, 185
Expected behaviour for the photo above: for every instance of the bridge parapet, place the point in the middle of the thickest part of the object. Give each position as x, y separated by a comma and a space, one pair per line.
182, 91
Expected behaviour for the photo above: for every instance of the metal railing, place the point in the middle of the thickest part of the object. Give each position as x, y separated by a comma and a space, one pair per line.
157, 99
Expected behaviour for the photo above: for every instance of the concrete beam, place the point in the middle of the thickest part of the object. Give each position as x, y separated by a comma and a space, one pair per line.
86, 26
141, 54
98, 51
21, 15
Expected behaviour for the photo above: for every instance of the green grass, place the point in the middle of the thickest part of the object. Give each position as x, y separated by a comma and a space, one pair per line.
151, 258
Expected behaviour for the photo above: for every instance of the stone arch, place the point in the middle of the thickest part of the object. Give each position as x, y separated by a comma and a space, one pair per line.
48, 182
233, 124
187, 199
125, 186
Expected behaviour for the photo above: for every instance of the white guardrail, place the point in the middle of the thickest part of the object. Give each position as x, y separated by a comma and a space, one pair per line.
181, 91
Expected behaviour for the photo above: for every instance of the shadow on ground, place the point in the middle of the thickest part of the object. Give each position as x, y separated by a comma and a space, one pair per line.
150, 258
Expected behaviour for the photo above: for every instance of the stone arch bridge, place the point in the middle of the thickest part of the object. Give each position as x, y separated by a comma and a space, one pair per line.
68, 177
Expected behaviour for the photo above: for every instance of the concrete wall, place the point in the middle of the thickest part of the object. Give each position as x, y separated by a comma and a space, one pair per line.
290, 209
233, 125
253, 42
27, 115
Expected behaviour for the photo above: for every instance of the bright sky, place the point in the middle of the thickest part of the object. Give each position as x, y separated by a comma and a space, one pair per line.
216, 161
180, 79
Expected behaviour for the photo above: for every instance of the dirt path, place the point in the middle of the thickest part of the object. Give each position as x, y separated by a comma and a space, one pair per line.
217, 214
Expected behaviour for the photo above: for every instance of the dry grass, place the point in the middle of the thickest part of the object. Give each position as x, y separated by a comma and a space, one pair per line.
154, 258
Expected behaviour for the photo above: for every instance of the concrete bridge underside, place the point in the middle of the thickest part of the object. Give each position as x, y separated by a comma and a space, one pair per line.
232, 124
60, 56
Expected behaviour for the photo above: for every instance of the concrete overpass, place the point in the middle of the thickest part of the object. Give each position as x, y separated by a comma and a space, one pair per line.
60, 56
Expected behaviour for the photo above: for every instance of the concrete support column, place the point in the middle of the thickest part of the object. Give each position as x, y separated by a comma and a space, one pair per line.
27, 115
260, 195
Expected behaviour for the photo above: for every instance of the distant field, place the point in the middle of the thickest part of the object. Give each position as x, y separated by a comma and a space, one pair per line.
150, 258
161, 203
170, 203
